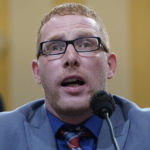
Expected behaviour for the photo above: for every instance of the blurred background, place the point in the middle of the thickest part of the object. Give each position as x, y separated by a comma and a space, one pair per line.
128, 25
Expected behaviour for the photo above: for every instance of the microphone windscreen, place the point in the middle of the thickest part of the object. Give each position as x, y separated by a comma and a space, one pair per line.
102, 103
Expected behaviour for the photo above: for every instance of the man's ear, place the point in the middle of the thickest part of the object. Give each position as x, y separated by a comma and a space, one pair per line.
112, 65
35, 70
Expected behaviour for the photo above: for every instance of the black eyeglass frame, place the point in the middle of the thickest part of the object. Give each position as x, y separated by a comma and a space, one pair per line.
100, 45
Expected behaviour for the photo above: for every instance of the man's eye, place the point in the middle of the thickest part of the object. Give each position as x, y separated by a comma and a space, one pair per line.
85, 44
54, 48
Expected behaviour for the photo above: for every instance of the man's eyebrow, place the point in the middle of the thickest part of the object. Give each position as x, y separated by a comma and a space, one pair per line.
77, 35
84, 34
55, 37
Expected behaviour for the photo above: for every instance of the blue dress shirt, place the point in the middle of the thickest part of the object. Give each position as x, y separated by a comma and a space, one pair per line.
93, 124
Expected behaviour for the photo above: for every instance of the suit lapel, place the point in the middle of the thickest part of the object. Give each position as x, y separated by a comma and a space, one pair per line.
39, 133
121, 127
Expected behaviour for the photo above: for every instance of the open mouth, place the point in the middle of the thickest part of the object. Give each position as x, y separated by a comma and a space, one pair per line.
72, 82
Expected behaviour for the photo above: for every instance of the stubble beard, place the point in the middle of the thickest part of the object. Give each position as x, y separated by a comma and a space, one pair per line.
57, 107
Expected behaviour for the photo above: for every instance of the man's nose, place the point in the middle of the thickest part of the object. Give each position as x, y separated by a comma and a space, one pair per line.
71, 57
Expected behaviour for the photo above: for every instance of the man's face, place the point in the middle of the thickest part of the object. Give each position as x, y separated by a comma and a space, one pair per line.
92, 71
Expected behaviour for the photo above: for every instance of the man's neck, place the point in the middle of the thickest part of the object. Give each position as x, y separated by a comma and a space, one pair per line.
74, 118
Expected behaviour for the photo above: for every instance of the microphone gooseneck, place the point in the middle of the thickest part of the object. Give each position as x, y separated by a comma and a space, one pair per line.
103, 105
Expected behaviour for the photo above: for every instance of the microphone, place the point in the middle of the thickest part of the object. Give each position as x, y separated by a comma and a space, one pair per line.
103, 105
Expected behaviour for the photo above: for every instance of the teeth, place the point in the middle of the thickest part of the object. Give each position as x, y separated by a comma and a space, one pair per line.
72, 82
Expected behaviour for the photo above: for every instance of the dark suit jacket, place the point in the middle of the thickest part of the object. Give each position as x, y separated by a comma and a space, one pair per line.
28, 128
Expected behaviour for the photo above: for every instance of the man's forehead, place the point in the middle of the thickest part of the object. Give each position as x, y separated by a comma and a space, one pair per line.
70, 19
77, 24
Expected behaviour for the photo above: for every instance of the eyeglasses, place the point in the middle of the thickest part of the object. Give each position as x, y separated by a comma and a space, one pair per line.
84, 46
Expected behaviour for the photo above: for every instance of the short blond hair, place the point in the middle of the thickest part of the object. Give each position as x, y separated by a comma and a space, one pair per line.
75, 9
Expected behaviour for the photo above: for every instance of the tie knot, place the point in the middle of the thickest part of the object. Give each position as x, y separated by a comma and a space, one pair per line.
78, 131
72, 136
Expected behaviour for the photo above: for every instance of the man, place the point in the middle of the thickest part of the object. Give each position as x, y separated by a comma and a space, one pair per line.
73, 62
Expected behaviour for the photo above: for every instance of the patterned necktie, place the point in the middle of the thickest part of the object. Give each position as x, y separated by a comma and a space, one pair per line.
72, 138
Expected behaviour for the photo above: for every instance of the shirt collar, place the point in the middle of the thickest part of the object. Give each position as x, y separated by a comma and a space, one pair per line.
93, 123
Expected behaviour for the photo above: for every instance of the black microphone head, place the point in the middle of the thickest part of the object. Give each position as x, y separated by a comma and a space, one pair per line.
102, 103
